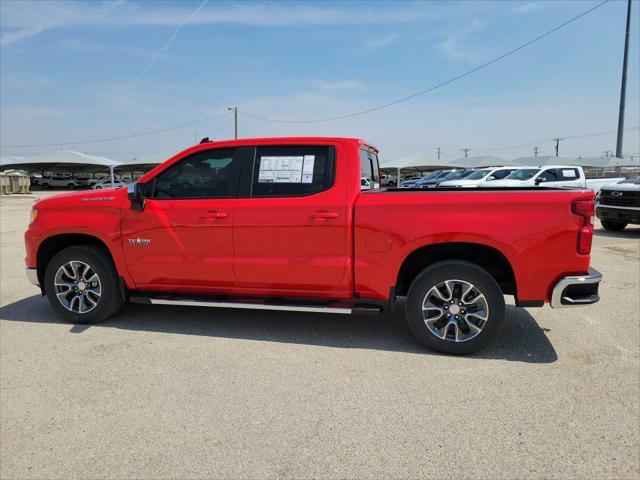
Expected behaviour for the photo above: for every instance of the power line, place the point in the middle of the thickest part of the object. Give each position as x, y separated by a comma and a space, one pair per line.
122, 137
435, 87
353, 114
534, 143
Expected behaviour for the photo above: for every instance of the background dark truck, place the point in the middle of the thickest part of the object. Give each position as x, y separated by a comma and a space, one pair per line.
284, 224
619, 204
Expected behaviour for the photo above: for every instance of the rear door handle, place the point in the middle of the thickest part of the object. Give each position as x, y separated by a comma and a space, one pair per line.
323, 215
213, 215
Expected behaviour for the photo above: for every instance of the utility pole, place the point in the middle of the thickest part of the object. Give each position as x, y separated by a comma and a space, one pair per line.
438, 150
557, 140
466, 152
235, 119
535, 151
623, 86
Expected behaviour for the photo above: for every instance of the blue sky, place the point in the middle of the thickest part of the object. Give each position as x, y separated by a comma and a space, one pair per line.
75, 71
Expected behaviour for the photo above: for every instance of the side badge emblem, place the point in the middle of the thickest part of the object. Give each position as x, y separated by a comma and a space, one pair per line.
139, 242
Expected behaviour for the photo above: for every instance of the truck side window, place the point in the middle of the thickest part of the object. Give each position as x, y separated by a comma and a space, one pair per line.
549, 175
569, 173
369, 174
205, 174
290, 171
500, 174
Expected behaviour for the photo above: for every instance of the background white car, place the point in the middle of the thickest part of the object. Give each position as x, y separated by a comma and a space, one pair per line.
480, 176
552, 176
63, 181
107, 184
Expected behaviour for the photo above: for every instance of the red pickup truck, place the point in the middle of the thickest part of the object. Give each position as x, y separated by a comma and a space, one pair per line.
302, 224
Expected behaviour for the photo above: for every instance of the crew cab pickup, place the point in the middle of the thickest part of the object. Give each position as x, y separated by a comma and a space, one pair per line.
288, 224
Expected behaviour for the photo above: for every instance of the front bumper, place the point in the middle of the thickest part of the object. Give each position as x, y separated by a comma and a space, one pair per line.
618, 214
32, 276
575, 291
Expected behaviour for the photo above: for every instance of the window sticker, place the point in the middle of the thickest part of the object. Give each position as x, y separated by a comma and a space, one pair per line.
280, 169
307, 168
569, 173
293, 169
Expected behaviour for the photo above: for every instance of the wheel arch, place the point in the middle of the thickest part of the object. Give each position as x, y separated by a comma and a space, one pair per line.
487, 257
50, 246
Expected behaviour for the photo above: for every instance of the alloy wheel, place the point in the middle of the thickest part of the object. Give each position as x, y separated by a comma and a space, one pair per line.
77, 287
455, 310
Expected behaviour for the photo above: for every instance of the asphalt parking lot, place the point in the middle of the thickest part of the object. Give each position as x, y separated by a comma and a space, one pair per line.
161, 392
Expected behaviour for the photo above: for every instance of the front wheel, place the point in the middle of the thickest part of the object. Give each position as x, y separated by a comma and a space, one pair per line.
613, 226
455, 307
81, 284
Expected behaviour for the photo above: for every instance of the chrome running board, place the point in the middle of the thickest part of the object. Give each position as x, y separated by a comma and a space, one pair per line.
262, 305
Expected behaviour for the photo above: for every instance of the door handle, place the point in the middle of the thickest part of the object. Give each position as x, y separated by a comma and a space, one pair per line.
323, 215
213, 215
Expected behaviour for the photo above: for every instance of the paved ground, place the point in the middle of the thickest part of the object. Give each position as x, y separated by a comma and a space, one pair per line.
194, 393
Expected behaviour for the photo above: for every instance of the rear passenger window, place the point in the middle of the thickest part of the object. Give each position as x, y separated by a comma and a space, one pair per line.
369, 174
292, 171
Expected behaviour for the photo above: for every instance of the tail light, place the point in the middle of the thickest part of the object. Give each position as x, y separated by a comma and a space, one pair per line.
584, 209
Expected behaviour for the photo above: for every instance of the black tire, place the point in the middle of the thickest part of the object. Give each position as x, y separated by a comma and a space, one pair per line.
455, 270
71, 186
111, 299
613, 226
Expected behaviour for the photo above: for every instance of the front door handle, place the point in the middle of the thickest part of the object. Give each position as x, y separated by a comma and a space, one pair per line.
323, 215
213, 215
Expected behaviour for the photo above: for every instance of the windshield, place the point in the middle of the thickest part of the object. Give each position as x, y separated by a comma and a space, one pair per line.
522, 174
478, 174
458, 174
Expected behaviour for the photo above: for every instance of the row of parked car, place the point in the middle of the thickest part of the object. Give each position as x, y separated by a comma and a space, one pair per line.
504, 176
617, 199
67, 181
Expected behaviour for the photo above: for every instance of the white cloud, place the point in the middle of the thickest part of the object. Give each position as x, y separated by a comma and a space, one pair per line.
380, 41
526, 7
458, 46
22, 19
337, 85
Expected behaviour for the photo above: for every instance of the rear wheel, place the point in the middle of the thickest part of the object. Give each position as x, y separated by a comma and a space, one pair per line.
82, 285
455, 307
613, 226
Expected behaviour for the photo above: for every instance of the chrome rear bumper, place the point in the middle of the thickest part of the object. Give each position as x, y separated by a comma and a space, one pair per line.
32, 275
575, 291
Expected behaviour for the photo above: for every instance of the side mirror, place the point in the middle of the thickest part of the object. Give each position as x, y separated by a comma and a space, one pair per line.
539, 180
136, 193
490, 177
